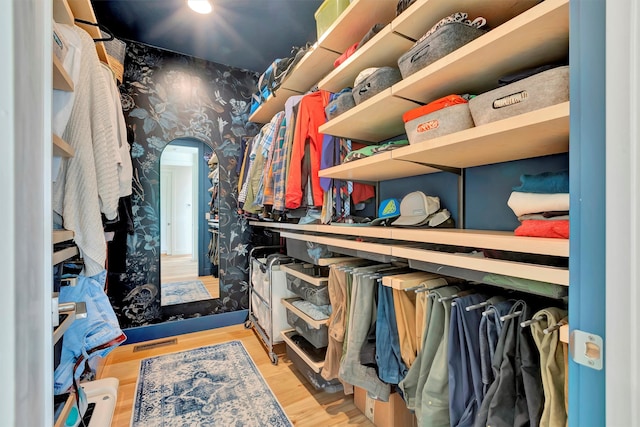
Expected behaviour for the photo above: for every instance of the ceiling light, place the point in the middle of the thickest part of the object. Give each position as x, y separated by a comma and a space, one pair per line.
200, 6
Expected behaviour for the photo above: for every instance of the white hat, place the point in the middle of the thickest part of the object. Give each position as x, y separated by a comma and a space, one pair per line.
416, 207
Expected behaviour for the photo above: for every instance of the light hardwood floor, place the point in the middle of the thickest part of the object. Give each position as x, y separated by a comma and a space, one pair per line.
305, 406
181, 268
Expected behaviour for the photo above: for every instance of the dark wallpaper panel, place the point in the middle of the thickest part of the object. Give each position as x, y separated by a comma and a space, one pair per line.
166, 96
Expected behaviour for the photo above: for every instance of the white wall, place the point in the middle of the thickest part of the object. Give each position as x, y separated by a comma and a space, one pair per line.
622, 343
182, 210
26, 359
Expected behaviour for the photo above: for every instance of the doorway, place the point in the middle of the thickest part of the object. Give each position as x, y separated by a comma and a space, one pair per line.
185, 270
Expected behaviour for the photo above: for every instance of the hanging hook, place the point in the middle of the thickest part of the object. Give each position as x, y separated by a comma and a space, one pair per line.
510, 316
415, 288
443, 299
477, 306
531, 321
553, 328
489, 311
102, 27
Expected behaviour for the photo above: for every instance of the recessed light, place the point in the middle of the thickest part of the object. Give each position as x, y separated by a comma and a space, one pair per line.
200, 6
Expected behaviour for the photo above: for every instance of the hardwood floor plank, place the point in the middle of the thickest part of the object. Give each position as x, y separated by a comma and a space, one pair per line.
305, 406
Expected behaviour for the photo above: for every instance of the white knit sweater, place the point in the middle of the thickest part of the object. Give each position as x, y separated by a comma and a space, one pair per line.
88, 182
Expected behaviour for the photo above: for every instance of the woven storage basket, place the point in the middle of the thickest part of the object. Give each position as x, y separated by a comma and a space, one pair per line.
342, 103
437, 123
532, 93
442, 42
379, 80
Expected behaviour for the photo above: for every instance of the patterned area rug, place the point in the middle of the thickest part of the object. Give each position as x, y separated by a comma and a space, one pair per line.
180, 292
217, 385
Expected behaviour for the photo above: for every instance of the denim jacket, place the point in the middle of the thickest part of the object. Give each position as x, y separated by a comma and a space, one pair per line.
85, 336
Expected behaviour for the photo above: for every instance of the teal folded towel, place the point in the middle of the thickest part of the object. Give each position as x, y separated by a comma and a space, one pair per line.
546, 182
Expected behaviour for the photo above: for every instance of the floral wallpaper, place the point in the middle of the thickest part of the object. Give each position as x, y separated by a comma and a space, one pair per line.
166, 96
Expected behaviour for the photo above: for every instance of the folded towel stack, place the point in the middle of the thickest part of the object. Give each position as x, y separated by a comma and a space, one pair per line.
541, 204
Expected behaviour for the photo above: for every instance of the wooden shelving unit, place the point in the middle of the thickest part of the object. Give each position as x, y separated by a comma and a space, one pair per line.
537, 133
485, 239
311, 68
82, 9
348, 29
61, 79
374, 120
59, 236
423, 14
62, 12
537, 36
64, 254
383, 50
355, 21
272, 105
61, 148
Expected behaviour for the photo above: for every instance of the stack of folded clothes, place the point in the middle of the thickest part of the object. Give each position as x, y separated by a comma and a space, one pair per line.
541, 204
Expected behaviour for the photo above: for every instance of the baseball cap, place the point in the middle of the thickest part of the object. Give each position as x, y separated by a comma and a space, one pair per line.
389, 209
416, 207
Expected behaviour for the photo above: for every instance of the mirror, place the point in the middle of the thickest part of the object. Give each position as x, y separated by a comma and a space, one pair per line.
188, 234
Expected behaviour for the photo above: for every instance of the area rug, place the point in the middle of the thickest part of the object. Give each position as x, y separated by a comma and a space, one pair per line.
217, 385
181, 292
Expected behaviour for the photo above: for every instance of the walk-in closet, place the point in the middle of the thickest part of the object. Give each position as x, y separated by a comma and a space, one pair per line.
320, 212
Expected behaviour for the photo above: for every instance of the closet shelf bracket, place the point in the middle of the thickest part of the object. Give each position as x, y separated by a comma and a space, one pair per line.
450, 169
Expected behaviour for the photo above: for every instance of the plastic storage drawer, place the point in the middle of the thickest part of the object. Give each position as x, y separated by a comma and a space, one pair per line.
302, 282
314, 331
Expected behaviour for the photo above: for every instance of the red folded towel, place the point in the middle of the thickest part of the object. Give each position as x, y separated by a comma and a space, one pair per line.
345, 55
544, 228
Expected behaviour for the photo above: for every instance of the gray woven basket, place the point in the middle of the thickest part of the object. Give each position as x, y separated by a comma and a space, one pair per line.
379, 80
342, 103
439, 123
442, 42
532, 93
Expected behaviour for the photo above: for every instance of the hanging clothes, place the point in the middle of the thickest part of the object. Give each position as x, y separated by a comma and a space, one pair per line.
490, 331
426, 386
465, 377
515, 398
552, 356
88, 183
362, 315
307, 139
391, 368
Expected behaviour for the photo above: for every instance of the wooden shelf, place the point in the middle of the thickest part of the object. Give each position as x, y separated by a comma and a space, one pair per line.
356, 20
409, 280
534, 134
62, 12
558, 276
61, 79
82, 9
311, 68
423, 14
64, 254
315, 324
383, 50
485, 239
379, 167
376, 119
498, 240
272, 105
538, 36
555, 275
61, 148
61, 236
